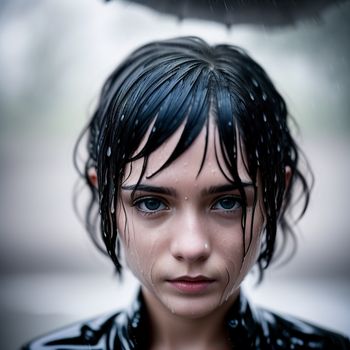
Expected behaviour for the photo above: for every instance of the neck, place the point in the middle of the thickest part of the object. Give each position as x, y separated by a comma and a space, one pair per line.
172, 331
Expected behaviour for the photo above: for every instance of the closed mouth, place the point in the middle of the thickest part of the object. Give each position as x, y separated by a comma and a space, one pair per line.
191, 285
190, 279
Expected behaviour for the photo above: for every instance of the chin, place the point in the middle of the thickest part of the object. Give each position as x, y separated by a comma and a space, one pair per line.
193, 307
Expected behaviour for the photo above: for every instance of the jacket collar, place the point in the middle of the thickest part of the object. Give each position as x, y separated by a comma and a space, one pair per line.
241, 323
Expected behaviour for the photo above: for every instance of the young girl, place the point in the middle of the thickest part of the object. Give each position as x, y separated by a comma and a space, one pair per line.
192, 171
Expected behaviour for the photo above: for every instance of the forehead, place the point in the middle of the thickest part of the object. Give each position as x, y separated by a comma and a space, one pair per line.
188, 166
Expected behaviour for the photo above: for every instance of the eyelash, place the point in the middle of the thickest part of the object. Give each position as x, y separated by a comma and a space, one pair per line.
237, 201
142, 200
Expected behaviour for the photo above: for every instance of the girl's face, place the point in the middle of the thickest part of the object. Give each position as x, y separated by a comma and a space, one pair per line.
182, 232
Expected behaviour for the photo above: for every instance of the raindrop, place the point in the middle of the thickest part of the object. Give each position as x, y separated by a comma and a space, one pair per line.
279, 342
122, 117
106, 180
264, 117
229, 123
268, 210
257, 154
123, 156
109, 151
105, 234
136, 122
112, 206
154, 129
275, 178
118, 141
278, 148
264, 96
255, 83
251, 96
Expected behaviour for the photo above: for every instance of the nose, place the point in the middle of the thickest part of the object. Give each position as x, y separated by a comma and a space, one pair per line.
190, 240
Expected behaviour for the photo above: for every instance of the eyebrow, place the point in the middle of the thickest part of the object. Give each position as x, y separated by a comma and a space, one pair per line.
225, 188
152, 189
172, 192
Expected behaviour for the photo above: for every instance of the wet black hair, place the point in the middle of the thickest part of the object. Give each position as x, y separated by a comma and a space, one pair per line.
183, 82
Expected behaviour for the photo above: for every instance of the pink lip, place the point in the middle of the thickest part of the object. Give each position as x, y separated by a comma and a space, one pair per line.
191, 285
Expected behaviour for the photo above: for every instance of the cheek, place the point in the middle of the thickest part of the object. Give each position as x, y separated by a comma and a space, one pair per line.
139, 247
253, 240
238, 267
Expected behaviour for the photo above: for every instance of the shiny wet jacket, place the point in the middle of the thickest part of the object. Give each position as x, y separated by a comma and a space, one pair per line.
249, 327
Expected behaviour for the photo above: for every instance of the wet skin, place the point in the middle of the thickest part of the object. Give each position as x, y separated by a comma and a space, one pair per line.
181, 232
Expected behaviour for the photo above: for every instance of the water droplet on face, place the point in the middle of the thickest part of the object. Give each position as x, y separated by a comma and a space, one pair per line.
122, 117
109, 151
186, 198
206, 246
251, 96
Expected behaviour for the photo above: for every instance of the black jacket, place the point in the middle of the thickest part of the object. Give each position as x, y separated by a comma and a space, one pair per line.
249, 328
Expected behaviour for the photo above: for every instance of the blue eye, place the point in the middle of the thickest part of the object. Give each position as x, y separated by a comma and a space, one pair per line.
150, 205
229, 203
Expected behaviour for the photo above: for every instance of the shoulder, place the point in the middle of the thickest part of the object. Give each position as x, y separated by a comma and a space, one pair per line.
91, 334
125, 329
287, 332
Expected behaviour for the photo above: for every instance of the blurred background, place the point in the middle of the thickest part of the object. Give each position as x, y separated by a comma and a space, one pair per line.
54, 57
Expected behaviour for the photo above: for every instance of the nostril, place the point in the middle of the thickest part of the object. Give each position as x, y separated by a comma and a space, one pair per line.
191, 251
